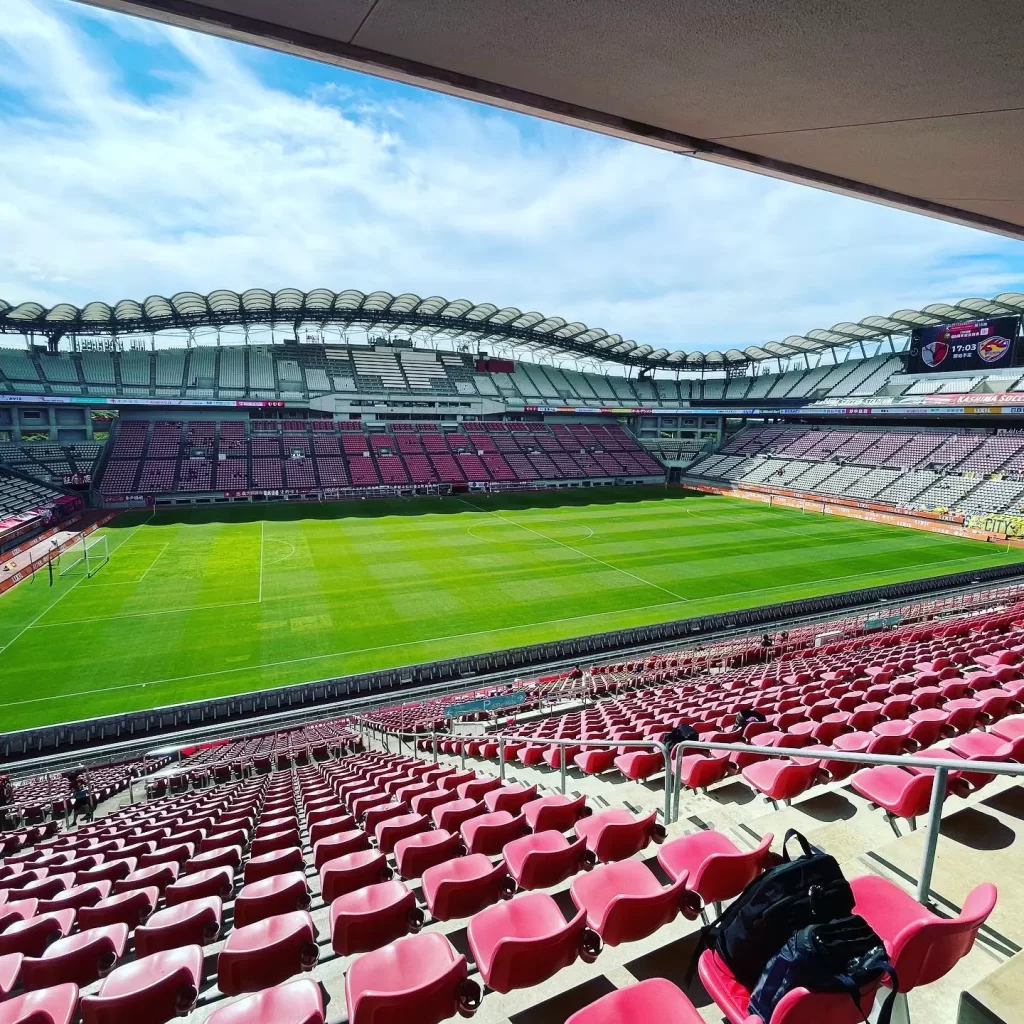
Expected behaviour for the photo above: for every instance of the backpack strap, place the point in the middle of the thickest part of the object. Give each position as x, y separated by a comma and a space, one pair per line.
804, 845
885, 1014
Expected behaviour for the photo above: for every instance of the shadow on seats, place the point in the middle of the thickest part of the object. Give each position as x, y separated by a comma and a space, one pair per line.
732, 793
1009, 801
828, 807
672, 962
977, 830
559, 1008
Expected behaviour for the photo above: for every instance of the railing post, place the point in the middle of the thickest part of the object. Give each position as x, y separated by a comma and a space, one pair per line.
931, 841
563, 747
665, 759
462, 754
433, 744
678, 783
501, 757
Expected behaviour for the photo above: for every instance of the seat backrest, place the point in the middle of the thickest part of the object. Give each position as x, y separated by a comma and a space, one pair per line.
798, 1006
927, 949
724, 875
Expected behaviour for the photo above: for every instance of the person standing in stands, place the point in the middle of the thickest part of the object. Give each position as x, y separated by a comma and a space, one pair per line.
81, 799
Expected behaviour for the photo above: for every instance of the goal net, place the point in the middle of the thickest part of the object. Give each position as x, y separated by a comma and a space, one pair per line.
87, 556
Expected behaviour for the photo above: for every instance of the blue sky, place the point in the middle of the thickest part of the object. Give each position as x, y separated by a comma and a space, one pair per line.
139, 159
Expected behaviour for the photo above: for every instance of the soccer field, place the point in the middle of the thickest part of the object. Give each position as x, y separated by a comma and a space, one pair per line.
195, 604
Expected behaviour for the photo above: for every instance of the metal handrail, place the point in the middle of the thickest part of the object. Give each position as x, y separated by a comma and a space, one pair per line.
637, 744
942, 769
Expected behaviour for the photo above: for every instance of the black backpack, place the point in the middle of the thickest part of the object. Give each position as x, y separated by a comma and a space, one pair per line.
680, 733
794, 894
845, 955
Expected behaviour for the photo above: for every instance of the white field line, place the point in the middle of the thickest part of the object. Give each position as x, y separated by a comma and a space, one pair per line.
259, 600
155, 560
569, 547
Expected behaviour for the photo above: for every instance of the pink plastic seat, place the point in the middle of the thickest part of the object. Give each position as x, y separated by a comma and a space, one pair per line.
434, 797
279, 894
715, 868
640, 764
79, 959
419, 978
462, 886
555, 812
48, 1006
477, 788
509, 798
32, 935
352, 871
131, 908
425, 849
373, 916
782, 780
281, 840
266, 953
624, 902
330, 827
157, 876
797, 1006
593, 762
451, 816
294, 1002
75, 898
700, 771
394, 829
543, 859
10, 969
654, 1000
337, 846
526, 941
615, 834
900, 793
381, 813
195, 923
148, 991
922, 946
195, 886
488, 833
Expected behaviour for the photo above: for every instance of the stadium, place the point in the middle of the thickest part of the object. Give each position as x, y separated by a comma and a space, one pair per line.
375, 656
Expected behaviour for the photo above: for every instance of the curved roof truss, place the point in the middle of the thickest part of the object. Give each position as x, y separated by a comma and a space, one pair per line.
458, 319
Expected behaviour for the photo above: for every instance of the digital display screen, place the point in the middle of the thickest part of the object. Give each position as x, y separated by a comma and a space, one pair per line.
969, 346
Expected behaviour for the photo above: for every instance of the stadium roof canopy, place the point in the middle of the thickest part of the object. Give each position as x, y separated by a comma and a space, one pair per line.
456, 320
914, 105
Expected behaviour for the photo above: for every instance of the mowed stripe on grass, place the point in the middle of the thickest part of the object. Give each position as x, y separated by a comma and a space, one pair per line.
194, 604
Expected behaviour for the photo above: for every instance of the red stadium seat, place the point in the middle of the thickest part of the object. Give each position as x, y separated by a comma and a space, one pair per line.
10, 969
782, 780
451, 816
372, 917
425, 849
419, 978
922, 946
131, 908
460, 887
394, 829
616, 834
78, 959
335, 846
509, 798
900, 793
48, 1006
148, 991
426, 802
593, 762
717, 870
700, 771
554, 812
279, 894
654, 1000
543, 859
294, 1002
525, 941
223, 856
352, 871
274, 841
267, 953
624, 902
157, 876
476, 789
218, 882
330, 826
31, 936
196, 923
488, 833
640, 764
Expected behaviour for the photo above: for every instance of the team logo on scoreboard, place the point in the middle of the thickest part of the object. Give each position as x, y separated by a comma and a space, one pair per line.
993, 349
934, 353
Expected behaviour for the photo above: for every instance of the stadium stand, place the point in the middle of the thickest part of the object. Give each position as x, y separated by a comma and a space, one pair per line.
145, 458
962, 471
277, 868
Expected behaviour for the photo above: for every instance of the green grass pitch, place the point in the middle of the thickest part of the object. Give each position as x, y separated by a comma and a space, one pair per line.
195, 604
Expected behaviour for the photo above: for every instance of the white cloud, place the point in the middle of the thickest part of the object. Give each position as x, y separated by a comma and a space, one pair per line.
221, 180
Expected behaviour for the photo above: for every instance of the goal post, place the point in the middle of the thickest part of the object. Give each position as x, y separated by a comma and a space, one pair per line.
88, 556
